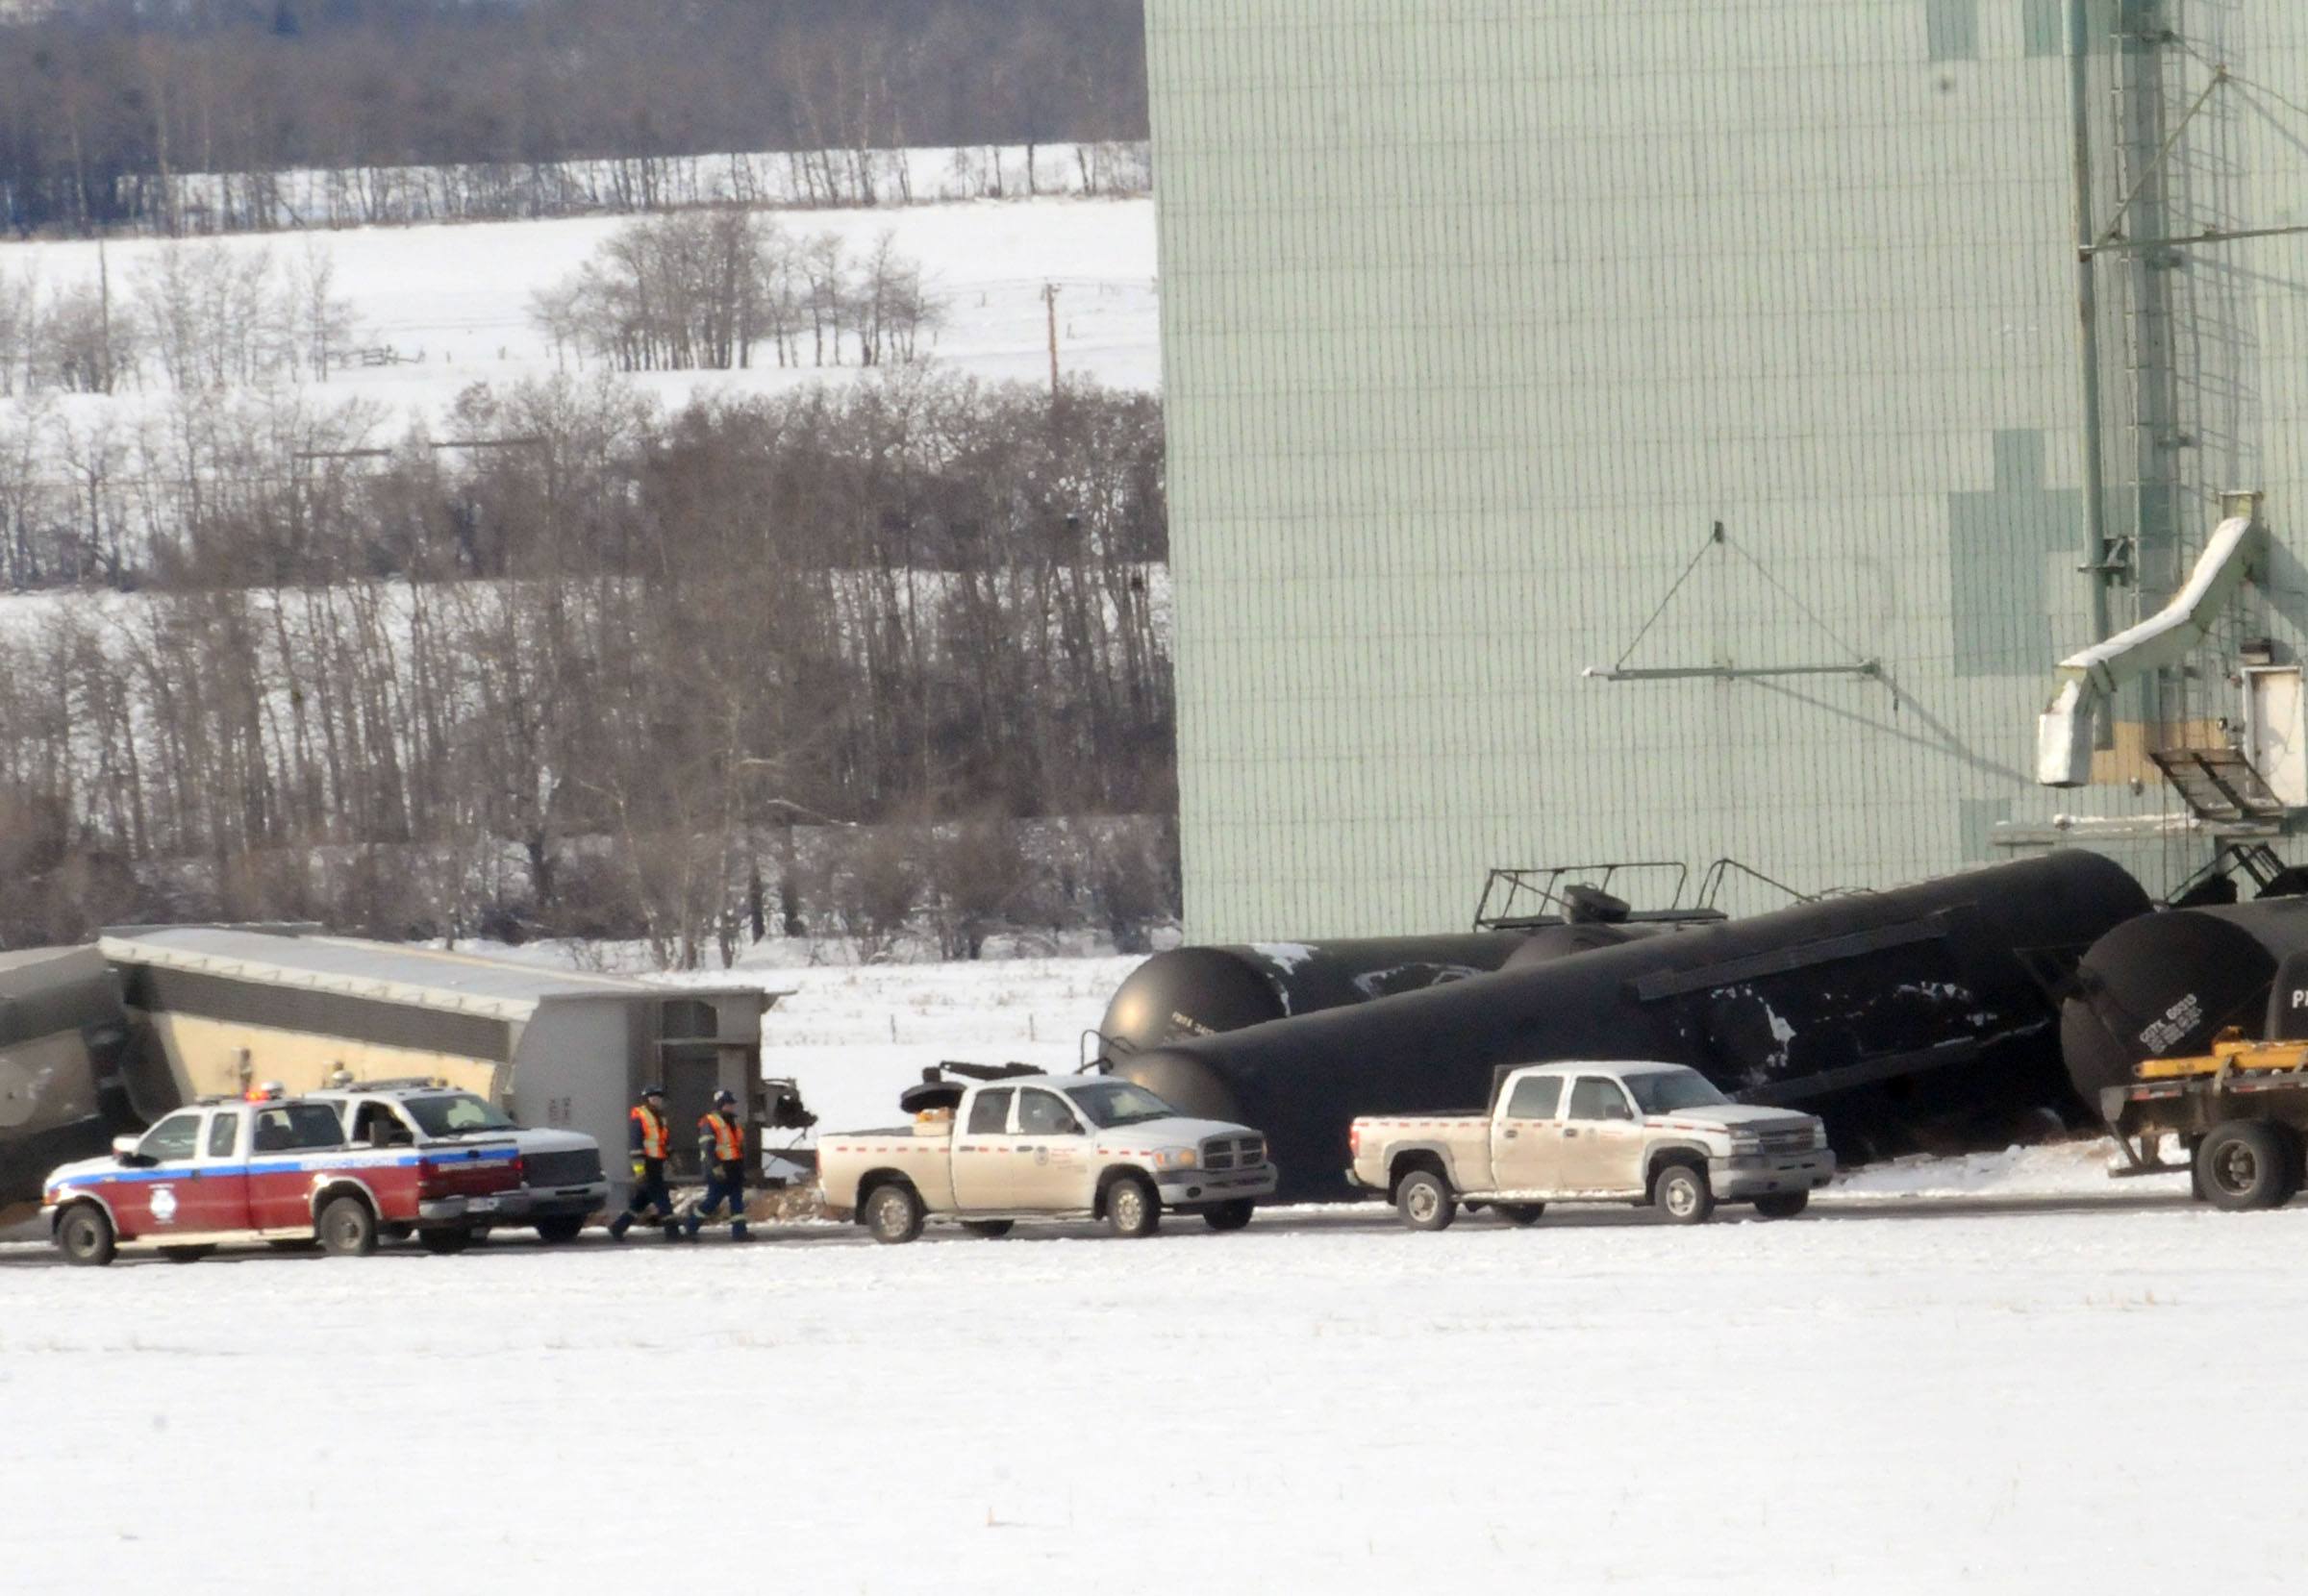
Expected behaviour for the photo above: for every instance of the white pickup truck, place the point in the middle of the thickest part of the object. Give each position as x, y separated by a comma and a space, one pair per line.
1042, 1147
1602, 1133
562, 1186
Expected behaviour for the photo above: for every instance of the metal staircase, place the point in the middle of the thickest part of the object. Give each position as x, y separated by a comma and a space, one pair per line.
2218, 783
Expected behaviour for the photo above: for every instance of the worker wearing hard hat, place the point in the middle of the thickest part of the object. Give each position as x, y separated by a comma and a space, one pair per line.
721, 1150
651, 1137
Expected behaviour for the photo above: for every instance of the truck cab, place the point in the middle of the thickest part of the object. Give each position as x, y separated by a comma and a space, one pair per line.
270, 1168
564, 1183
1610, 1133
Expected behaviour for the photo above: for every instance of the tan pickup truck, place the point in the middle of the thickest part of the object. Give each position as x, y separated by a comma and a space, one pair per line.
1601, 1132
1042, 1147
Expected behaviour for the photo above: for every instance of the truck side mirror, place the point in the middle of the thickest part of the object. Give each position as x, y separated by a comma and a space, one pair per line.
124, 1151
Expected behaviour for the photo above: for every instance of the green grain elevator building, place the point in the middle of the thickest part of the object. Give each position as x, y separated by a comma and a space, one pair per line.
1658, 431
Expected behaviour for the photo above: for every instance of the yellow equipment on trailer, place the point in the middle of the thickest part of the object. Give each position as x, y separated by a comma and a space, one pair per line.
2241, 1110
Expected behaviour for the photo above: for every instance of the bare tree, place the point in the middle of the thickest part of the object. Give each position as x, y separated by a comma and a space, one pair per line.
325, 329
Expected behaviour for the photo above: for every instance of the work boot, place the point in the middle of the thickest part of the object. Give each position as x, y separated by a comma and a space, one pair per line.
695, 1223
672, 1230
738, 1231
619, 1226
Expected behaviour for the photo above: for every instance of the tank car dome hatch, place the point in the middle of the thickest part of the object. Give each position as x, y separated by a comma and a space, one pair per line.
1920, 1018
1548, 943
1204, 991
2164, 985
1584, 905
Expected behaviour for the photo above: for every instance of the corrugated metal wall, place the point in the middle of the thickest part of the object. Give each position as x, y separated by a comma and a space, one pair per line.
1479, 316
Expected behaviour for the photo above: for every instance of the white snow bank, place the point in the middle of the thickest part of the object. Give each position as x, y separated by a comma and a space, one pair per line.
2064, 1169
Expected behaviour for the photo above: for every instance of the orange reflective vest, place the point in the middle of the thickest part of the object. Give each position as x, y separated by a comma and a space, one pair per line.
655, 1141
729, 1137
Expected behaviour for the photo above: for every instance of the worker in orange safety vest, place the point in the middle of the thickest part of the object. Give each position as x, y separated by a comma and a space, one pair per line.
650, 1136
722, 1151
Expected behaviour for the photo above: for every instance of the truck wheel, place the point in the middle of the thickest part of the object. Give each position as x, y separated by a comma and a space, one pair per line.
2245, 1163
1230, 1217
893, 1214
1132, 1209
85, 1236
1520, 1214
993, 1230
1424, 1201
347, 1229
564, 1229
1681, 1195
186, 1255
445, 1241
1782, 1204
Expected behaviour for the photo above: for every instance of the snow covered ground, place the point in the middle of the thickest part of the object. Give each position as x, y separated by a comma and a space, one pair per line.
2014, 1402
453, 302
1985, 1373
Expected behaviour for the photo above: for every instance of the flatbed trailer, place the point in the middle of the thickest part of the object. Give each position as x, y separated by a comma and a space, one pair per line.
2241, 1110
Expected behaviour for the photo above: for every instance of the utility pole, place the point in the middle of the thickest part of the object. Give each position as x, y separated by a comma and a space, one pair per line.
1049, 298
103, 312
2086, 304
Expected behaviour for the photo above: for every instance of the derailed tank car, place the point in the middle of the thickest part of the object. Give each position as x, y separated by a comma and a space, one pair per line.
2164, 985
1918, 1018
62, 1034
2190, 1030
1203, 991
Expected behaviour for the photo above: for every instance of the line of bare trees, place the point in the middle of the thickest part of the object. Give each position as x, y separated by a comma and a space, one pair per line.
707, 288
190, 317
106, 105
193, 203
817, 662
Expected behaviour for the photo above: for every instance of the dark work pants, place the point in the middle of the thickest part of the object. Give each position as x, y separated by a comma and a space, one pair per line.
652, 1192
723, 1183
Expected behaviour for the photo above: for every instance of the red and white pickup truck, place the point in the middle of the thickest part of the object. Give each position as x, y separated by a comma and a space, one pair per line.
270, 1169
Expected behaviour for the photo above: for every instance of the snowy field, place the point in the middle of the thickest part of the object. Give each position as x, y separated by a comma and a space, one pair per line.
453, 302
1983, 1373
1874, 1402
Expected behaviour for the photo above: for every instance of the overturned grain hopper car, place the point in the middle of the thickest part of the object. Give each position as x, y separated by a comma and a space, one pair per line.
61, 1097
216, 1009
1922, 1018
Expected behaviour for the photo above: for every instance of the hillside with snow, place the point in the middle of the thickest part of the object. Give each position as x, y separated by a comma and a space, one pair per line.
438, 308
